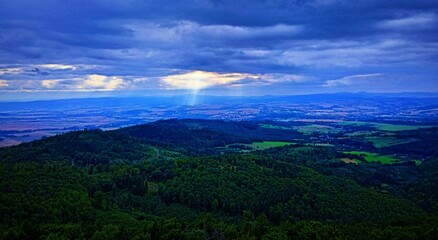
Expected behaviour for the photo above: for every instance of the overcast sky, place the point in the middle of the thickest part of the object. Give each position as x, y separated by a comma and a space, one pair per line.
231, 47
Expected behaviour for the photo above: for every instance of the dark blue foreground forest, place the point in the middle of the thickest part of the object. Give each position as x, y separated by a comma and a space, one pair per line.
199, 179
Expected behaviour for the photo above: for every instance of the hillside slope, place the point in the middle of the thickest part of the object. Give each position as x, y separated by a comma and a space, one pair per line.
151, 182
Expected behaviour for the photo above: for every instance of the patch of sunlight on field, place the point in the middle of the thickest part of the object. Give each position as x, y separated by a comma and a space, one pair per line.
373, 157
268, 144
383, 126
350, 160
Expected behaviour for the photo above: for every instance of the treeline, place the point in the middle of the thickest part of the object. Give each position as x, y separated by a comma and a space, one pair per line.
64, 202
82, 148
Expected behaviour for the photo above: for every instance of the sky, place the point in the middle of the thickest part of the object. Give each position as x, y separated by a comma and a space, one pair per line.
86, 48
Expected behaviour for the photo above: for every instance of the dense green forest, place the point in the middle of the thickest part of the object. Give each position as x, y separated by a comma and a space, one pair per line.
172, 180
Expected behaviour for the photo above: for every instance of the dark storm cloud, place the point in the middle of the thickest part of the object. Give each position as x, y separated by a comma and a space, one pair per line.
324, 40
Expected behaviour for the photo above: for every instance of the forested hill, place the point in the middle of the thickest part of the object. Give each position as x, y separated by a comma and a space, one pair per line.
198, 179
194, 136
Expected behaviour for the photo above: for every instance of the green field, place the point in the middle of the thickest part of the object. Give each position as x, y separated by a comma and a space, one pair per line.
374, 157
258, 145
386, 141
268, 144
264, 125
322, 144
383, 126
309, 129
361, 133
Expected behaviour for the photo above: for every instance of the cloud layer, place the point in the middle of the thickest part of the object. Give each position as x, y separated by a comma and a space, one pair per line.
259, 47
